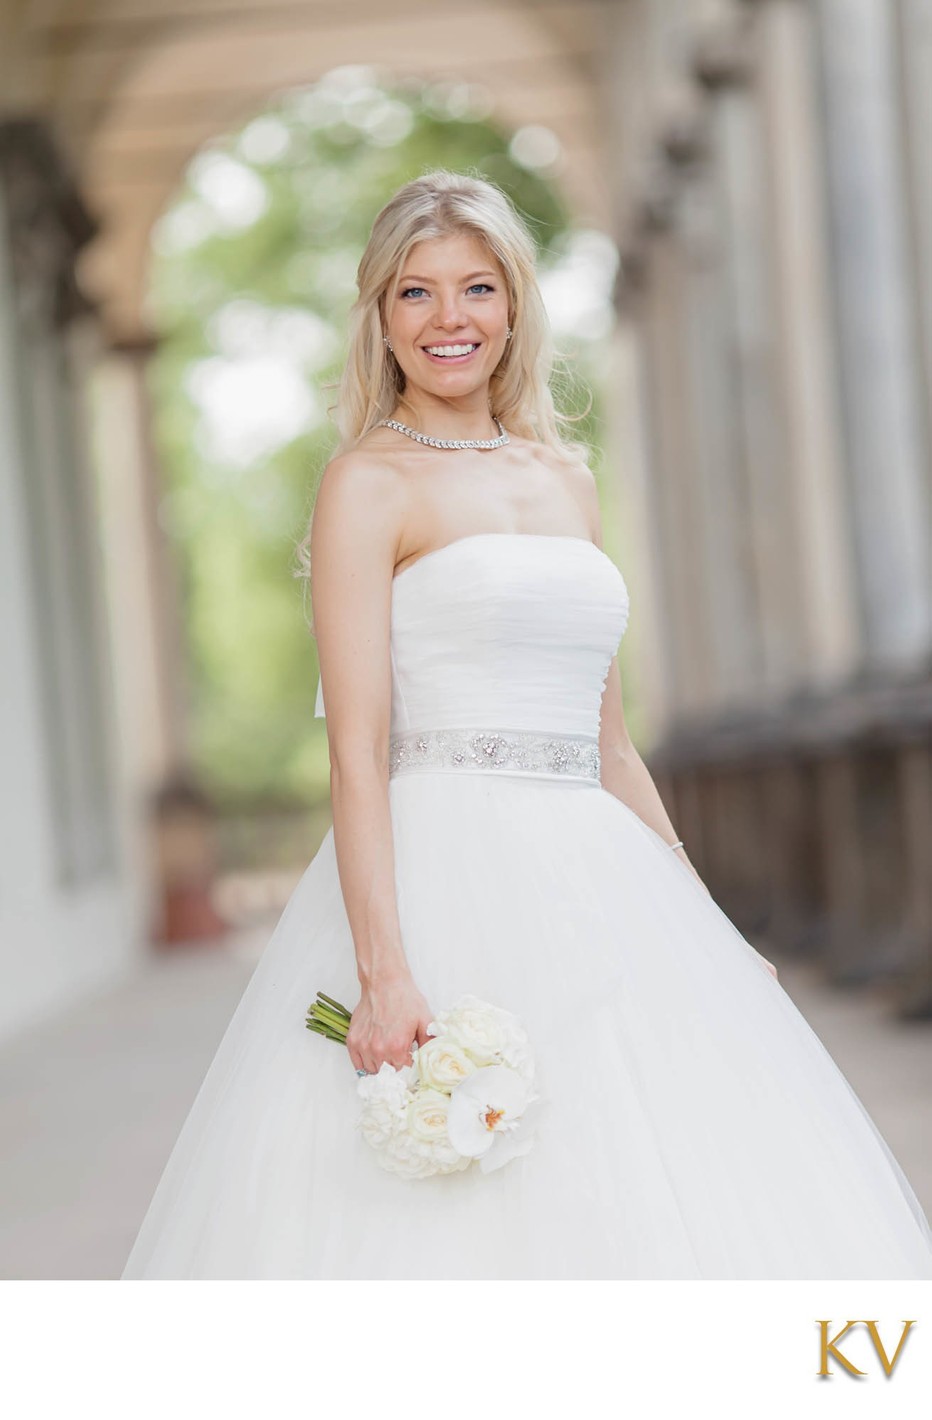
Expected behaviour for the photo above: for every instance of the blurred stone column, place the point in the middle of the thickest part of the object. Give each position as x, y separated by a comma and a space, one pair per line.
886, 451
673, 474
177, 843
623, 53
783, 39
914, 761
68, 905
23, 830
724, 63
140, 604
727, 594
674, 261
47, 226
629, 505
69, 592
914, 34
145, 602
632, 85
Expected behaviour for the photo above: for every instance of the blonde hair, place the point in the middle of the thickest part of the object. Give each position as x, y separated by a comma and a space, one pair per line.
442, 204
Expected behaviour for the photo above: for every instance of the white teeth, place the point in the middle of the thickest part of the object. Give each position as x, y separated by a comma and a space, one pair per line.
449, 350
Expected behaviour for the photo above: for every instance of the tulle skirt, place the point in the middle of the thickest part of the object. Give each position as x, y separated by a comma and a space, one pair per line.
696, 1126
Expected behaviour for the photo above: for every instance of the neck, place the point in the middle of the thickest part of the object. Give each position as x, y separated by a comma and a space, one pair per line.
447, 419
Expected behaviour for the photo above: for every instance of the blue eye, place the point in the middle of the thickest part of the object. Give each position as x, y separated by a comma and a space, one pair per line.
419, 290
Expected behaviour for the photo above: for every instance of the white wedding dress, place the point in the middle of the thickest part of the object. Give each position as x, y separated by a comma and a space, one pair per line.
696, 1127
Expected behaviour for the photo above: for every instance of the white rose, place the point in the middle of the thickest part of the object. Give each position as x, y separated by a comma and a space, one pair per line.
488, 1034
418, 1146
442, 1064
427, 1115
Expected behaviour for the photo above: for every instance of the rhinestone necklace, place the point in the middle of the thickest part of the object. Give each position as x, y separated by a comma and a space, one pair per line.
450, 443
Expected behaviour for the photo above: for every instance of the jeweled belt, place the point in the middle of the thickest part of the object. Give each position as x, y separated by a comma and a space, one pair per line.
509, 751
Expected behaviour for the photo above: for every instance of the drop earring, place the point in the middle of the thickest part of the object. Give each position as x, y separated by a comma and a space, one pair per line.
508, 332
386, 341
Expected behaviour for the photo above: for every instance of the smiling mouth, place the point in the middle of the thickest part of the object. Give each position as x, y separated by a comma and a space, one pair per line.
451, 354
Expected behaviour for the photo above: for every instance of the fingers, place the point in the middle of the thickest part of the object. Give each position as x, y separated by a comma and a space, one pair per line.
370, 1058
370, 1045
400, 1055
361, 1055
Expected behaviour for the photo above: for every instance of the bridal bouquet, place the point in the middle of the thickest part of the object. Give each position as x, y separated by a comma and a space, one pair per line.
468, 1094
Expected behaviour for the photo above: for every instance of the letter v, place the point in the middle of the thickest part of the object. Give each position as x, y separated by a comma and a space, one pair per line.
878, 1345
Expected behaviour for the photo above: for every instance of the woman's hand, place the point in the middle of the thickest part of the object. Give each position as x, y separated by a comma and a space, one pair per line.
390, 1016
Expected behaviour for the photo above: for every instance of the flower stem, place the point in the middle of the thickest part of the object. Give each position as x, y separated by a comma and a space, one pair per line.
329, 1031
323, 1013
330, 1001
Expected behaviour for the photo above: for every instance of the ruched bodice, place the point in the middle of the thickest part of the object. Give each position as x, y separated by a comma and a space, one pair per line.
509, 630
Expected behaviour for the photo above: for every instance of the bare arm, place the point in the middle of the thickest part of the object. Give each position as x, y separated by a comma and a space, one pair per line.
625, 775
354, 536
623, 771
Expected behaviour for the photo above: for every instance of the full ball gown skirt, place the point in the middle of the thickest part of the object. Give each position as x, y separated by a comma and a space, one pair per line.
697, 1127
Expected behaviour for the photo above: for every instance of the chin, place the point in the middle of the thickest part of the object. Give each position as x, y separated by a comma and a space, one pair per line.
448, 384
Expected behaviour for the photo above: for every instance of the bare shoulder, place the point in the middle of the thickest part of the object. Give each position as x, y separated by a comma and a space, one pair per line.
360, 469
577, 478
580, 479
361, 502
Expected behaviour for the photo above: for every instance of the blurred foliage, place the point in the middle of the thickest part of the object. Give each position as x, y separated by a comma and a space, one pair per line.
253, 273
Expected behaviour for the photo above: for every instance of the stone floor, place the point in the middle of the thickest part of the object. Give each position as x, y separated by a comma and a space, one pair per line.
90, 1105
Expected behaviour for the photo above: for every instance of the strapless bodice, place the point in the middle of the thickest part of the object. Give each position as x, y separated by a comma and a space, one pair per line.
514, 631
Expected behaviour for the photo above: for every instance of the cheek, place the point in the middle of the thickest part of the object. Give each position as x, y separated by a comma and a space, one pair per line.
407, 319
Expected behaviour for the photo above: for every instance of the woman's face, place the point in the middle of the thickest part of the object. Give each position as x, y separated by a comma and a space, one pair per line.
447, 323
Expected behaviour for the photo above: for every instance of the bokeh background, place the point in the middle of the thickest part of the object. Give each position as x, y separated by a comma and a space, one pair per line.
732, 201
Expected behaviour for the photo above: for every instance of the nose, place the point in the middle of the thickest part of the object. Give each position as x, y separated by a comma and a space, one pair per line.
450, 316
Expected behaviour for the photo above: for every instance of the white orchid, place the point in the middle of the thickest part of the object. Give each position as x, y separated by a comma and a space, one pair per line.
492, 1116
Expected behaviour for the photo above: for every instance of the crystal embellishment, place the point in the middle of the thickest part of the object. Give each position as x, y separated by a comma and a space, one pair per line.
450, 443
514, 752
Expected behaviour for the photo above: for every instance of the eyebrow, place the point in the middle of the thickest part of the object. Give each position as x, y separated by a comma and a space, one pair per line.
471, 277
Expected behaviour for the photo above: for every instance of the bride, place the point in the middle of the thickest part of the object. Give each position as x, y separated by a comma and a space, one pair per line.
496, 833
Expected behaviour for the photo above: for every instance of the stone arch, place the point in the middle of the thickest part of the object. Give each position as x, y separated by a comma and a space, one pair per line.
139, 91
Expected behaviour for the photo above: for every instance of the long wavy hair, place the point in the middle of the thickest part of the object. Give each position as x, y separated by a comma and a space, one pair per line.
442, 204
